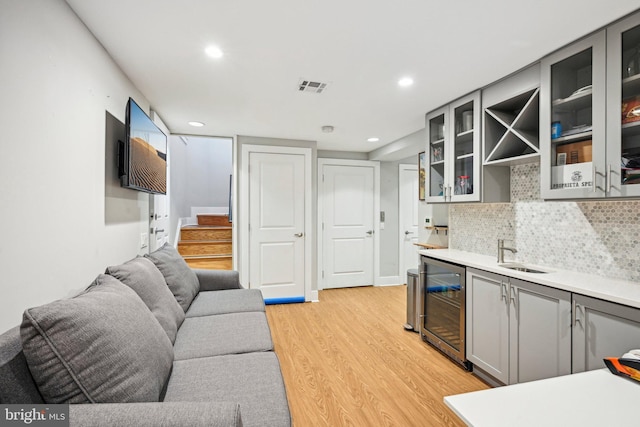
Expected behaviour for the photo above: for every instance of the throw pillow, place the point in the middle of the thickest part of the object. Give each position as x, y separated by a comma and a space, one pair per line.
102, 346
141, 275
180, 278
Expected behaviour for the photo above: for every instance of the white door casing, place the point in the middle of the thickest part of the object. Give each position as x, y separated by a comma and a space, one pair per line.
348, 224
159, 203
408, 217
275, 216
159, 221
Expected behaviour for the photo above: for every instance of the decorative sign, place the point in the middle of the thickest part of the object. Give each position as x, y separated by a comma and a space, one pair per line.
577, 175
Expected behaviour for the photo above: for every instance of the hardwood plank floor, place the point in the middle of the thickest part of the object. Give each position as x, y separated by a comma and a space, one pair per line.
347, 361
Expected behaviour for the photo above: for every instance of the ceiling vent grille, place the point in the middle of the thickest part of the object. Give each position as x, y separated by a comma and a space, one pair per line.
309, 86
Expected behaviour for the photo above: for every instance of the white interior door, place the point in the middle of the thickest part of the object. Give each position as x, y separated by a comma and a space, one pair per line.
277, 225
348, 221
408, 214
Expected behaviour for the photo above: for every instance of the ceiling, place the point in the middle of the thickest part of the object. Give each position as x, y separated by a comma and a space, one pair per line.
360, 47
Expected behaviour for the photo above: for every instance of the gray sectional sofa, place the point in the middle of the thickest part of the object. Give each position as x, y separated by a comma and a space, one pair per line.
150, 343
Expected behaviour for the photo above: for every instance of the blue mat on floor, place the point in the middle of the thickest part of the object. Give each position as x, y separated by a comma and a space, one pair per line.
287, 300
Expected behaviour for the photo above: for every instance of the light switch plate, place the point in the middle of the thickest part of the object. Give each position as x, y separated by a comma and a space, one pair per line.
144, 240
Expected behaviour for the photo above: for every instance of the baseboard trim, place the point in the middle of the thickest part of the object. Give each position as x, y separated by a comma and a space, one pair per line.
389, 281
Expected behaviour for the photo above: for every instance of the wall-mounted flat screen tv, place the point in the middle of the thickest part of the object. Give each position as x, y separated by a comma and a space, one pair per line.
143, 156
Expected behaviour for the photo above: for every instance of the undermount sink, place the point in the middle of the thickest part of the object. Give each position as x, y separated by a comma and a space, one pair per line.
521, 267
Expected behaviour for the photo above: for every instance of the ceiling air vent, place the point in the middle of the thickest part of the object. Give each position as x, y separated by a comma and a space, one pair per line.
311, 87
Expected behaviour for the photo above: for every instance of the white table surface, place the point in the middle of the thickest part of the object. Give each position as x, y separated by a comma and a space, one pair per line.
614, 290
595, 398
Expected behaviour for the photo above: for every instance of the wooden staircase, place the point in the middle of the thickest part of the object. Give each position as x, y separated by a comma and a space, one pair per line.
207, 245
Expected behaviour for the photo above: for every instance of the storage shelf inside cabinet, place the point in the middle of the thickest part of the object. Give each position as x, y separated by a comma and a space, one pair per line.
511, 130
573, 138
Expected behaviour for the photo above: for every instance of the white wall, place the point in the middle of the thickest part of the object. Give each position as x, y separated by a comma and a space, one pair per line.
63, 217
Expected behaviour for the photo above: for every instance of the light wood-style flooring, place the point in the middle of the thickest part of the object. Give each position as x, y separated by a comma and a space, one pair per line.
347, 361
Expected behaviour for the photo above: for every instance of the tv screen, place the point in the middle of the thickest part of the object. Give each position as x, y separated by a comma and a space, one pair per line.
144, 155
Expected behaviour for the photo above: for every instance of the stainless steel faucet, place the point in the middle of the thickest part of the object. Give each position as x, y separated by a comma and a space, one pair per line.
501, 249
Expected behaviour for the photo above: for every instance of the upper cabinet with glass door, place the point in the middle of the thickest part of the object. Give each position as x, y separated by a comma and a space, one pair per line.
623, 108
453, 151
572, 121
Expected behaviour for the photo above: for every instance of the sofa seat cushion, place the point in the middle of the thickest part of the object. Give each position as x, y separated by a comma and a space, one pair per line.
141, 275
222, 334
101, 346
180, 278
227, 301
254, 380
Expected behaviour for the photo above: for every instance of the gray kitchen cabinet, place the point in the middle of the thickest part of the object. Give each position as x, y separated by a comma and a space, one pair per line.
623, 108
539, 332
487, 323
517, 331
453, 152
602, 329
572, 120
590, 93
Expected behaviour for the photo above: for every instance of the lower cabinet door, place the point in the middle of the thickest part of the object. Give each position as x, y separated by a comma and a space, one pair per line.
602, 329
487, 323
539, 332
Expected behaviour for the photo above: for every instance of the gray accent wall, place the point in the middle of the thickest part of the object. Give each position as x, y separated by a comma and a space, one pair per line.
63, 215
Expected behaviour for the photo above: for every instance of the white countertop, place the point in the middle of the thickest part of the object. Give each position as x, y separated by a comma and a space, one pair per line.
615, 290
595, 398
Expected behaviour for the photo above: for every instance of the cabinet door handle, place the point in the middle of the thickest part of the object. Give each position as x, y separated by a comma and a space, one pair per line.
594, 184
503, 294
574, 313
512, 298
608, 179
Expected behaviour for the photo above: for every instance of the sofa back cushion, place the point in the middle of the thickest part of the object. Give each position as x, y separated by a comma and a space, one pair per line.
180, 278
141, 275
16, 383
102, 346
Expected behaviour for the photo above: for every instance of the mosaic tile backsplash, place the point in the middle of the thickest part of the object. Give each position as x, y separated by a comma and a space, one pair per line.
599, 237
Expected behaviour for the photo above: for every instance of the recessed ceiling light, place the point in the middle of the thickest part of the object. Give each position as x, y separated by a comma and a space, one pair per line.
374, 139
196, 124
405, 81
214, 52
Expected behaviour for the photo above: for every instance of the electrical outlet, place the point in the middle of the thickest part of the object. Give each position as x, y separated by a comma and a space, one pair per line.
144, 240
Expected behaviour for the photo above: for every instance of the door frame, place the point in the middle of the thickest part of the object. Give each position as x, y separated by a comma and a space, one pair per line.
404, 167
244, 209
376, 209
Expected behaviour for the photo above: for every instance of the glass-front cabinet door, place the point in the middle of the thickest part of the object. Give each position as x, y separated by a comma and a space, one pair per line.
437, 147
465, 152
572, 121
623, 108
453, 151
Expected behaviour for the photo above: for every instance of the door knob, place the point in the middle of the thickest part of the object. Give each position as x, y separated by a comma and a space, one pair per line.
408, 232
299, 234
370, 232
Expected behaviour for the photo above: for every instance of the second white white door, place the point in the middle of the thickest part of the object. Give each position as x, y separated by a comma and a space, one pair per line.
348, 221
408, 213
